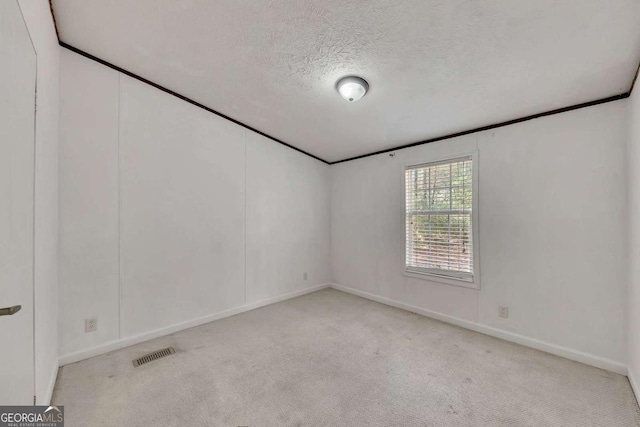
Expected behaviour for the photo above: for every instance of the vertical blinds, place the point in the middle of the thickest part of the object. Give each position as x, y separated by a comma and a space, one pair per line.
439, 207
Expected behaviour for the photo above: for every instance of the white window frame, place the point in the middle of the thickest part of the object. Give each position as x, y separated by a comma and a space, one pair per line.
434, 276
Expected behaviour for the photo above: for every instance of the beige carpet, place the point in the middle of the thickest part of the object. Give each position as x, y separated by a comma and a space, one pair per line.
333, 359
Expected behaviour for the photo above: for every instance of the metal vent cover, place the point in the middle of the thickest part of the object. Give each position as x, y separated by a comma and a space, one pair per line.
158, 354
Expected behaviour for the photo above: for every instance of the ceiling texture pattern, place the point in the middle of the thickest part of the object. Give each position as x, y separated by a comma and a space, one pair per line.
435, 67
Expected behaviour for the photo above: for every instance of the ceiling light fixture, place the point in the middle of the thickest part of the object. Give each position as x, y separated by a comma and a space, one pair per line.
352, 88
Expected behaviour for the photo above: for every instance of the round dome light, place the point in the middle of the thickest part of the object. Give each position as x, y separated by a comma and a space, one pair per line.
352, 88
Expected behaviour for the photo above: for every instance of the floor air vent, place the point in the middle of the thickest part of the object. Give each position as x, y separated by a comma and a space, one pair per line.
159, 354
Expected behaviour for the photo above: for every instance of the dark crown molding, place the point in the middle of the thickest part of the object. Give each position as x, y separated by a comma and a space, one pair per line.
388, 150
507, 123
182, 97
53, 16
441, 138
494, 126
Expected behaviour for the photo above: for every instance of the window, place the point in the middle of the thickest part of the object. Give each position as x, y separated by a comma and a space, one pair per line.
439, 219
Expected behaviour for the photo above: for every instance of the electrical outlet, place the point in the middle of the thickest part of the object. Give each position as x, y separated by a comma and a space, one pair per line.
90, 325
503, 311
304, 276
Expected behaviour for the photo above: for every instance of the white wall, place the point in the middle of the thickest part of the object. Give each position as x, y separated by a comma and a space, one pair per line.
170, 214
89, 227
552, 207
39, 21
633, 159
288, 219
182, 193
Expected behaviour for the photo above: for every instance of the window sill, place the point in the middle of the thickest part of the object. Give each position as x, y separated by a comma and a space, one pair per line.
429, 277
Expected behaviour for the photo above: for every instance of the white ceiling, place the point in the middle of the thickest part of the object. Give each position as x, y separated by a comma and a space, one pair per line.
435, 66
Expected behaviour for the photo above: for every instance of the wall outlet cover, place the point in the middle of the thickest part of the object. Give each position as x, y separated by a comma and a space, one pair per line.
90, 325
503, 311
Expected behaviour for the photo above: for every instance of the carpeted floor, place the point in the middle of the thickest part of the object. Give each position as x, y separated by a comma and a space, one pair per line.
333, 359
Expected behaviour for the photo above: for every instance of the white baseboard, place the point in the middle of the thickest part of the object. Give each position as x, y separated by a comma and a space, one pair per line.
565, 352
146, 336
634, 384
578, 356
50, 386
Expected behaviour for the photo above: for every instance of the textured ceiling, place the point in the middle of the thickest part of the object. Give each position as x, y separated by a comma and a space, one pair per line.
435, 66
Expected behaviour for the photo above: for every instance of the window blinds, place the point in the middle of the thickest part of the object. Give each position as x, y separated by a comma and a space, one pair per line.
439, 207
